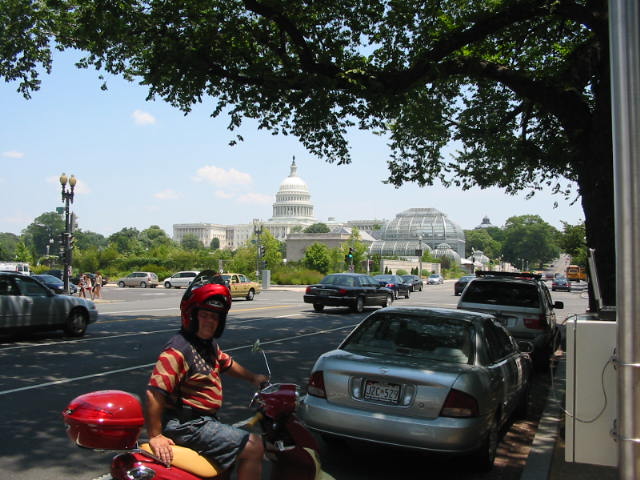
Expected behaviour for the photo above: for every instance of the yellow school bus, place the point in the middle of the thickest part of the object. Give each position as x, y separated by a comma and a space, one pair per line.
576, 273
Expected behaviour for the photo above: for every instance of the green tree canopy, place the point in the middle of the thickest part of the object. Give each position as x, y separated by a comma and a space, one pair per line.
154, 237
88, 239
317, 257
479, 239
8, 244
190, 241
317, 228
529, 240
45, 227
520, 87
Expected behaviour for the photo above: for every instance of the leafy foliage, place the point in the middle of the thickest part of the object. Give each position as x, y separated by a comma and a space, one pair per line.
519, 88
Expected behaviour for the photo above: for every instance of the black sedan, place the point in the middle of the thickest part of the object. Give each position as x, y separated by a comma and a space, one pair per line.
415, 281
458, 287
396, 283
353, 290
54, 283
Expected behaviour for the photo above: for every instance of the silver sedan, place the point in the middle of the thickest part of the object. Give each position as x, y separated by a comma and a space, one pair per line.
438, 380
27, 304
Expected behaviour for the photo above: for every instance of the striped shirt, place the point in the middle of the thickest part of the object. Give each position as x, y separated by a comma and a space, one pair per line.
188, 372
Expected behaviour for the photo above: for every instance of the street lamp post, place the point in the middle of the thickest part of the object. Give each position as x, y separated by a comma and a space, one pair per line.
420, 256
67, 198
257, 230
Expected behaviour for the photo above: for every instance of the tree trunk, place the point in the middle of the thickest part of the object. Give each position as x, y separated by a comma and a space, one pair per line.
596, 187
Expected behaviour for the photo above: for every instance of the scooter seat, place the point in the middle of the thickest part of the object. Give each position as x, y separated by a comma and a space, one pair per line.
186, 459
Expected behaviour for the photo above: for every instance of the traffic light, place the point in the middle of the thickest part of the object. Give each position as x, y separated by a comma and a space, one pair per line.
260, 250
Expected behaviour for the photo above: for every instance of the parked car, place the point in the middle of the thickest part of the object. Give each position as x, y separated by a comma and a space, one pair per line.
458, 287
139, 279
180, 279
522, 303
28, 304
560, 283
353, 290
432, 379
240, 286
396, 283
435, 279
55, 284
415, 281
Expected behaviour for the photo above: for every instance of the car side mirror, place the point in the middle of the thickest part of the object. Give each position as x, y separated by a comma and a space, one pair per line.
558, 305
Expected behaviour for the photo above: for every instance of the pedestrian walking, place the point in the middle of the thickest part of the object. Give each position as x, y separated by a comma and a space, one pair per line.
97, 286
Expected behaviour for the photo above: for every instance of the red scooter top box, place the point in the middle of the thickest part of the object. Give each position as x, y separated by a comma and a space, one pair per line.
106, 420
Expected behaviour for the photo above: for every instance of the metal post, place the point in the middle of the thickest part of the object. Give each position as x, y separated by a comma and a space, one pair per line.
67, 197
624, 33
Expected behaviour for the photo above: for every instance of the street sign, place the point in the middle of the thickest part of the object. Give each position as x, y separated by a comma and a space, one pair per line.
60, 210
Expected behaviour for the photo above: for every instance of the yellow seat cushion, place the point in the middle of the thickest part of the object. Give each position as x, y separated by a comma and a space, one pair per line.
189, 460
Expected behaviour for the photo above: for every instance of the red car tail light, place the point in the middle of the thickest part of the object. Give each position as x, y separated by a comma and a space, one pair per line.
308, 290
343, 291
316, 385
459, 404
536, 323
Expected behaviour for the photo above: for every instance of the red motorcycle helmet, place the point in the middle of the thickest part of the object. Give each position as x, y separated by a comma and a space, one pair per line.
205, 292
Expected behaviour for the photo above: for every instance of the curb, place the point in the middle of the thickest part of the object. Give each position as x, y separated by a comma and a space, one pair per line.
540, 459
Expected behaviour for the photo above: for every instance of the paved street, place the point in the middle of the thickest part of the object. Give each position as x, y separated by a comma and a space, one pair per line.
43, 372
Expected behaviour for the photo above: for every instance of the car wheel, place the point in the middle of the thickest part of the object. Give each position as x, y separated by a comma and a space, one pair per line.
359, 306
143, 285
318, 307
406, 295
167, 285
76, 324
388, 301
251, 294
483, 459
121, 284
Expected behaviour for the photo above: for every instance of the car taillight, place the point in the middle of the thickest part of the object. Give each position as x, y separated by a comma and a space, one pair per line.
307, 290
536, 323
316, 385
343, 291
459, 404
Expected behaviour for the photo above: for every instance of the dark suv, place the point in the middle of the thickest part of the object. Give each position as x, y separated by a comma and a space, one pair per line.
522, 303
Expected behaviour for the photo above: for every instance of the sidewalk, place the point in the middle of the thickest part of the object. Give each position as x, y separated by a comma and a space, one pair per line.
546, 459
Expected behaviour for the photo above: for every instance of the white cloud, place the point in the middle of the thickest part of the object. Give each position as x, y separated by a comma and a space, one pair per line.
256, 199
143, 118
167, 194
222, 178
224, 195
13, 154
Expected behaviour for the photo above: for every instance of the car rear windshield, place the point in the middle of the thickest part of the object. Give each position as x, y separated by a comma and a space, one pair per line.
416, 336
514, 294
344, 280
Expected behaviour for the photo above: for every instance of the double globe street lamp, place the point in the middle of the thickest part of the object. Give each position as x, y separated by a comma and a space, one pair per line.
67, 197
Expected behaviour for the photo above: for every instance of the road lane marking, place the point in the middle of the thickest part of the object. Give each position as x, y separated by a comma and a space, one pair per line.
149, 365
17, 346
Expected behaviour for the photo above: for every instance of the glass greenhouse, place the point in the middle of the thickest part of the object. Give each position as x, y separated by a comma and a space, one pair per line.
418, 228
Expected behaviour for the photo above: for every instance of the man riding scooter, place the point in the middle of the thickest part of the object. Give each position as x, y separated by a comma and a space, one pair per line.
185, 390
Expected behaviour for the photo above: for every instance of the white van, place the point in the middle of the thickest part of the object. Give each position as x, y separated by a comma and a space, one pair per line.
18, 267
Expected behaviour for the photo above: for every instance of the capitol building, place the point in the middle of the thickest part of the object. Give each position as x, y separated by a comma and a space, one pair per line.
415, 229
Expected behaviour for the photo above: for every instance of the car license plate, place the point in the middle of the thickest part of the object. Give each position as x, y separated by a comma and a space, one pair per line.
381, 392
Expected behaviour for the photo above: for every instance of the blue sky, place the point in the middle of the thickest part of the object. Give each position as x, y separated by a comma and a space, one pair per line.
142, 163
